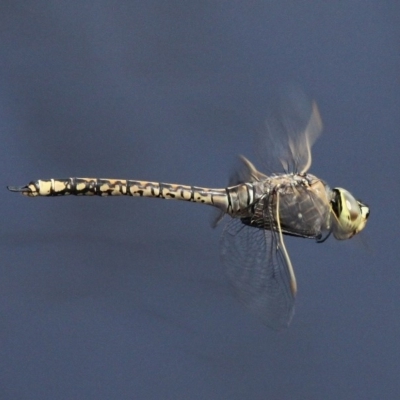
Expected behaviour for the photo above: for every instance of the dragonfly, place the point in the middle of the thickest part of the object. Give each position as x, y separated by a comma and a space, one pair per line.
262, 209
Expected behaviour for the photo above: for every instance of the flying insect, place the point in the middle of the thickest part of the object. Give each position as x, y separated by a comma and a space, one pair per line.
262, 209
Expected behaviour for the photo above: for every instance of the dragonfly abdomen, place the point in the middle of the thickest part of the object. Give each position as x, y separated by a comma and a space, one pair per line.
231, 200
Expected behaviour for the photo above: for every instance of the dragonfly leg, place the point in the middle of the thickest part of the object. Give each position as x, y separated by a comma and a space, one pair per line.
293, 283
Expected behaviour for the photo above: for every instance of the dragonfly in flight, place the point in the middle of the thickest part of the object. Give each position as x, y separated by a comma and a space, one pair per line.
262, 210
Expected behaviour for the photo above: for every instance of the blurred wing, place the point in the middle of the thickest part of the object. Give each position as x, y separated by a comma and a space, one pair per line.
290, 131
258, 272
300, 145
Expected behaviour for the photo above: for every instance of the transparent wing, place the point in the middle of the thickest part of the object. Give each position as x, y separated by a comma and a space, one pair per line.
291, 128
258, 272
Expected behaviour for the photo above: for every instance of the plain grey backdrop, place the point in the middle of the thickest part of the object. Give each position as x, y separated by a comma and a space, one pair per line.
126, 298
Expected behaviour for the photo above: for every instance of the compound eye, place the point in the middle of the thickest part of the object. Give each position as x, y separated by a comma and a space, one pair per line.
351, 215
350, 206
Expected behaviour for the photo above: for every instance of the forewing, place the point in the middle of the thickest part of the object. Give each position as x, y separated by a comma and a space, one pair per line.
258, 272
291, 128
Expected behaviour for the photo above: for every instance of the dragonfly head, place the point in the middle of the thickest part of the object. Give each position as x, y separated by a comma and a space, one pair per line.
350, 215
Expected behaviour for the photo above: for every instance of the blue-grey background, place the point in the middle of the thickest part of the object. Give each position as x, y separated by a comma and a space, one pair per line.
126, 298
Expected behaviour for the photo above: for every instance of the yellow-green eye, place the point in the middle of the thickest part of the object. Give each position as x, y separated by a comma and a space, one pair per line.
350, 215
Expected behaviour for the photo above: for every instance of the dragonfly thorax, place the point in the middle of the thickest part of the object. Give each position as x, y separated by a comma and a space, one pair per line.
300, 201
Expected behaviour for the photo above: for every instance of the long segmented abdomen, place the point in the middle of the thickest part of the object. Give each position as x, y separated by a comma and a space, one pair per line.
233, 200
